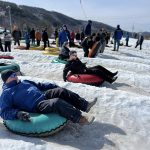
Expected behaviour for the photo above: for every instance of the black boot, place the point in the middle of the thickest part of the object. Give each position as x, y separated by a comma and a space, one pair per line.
115, 73
113, 79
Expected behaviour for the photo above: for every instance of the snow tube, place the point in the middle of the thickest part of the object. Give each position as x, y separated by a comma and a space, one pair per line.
52, 49
51, 53
12, 66
41, 125
20, 47
57, 60
93, 52
36, 48
6, 57
85, 79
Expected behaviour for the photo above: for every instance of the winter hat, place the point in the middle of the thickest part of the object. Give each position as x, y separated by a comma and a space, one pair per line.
6, 74
118, 26
64, 25
89, 21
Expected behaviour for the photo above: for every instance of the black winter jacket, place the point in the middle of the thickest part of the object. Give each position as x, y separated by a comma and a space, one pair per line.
75, 66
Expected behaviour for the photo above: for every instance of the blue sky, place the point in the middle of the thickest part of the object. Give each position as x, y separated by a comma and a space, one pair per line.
127, 13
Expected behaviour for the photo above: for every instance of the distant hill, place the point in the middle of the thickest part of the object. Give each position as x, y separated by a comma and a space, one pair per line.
146, 35
28, 17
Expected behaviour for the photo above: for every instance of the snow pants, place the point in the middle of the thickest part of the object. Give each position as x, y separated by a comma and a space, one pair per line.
64, 102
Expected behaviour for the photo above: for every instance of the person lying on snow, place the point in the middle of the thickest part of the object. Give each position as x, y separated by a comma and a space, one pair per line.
18, 98
64, 53
77, 67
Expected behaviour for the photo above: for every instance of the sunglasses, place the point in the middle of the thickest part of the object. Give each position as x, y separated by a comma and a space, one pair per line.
13, 75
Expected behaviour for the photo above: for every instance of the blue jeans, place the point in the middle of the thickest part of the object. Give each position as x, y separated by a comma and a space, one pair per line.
116, 42
64, 102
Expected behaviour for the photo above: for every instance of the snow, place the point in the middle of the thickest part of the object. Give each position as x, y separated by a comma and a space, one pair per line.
122, 112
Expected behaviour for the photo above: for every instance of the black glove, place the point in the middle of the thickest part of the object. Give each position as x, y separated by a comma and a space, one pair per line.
65, 79
24, 116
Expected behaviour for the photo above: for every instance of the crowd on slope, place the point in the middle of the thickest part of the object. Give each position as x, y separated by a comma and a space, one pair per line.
82, 39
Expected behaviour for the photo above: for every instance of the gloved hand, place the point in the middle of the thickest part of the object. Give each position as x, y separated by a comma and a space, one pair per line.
24, 116
65, 79
76, 75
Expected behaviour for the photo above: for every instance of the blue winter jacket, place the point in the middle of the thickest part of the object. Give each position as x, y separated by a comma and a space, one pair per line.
23, 95
118, 34
64, 36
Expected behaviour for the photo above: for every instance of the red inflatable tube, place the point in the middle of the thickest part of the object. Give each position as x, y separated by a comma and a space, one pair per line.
6, 57
85, 79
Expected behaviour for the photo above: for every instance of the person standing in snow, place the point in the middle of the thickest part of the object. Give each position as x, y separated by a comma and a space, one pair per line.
77, 67
127, 38
27, 40
18, 98
64, 35
1, 46
7, 41
102, 36
88, 28
16, 34
117, 37
32, 36
38, 37
82, 36
140, 41
78, 36
56, 34
45, 38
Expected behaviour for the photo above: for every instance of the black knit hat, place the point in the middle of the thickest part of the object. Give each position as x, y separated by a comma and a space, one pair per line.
6, 74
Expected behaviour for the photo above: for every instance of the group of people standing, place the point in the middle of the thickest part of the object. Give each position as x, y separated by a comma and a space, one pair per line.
118, 34
34, 37
85, 38
38, 36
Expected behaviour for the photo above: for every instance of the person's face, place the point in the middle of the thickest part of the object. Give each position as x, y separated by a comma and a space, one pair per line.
64, 28
12, 77
73, 56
